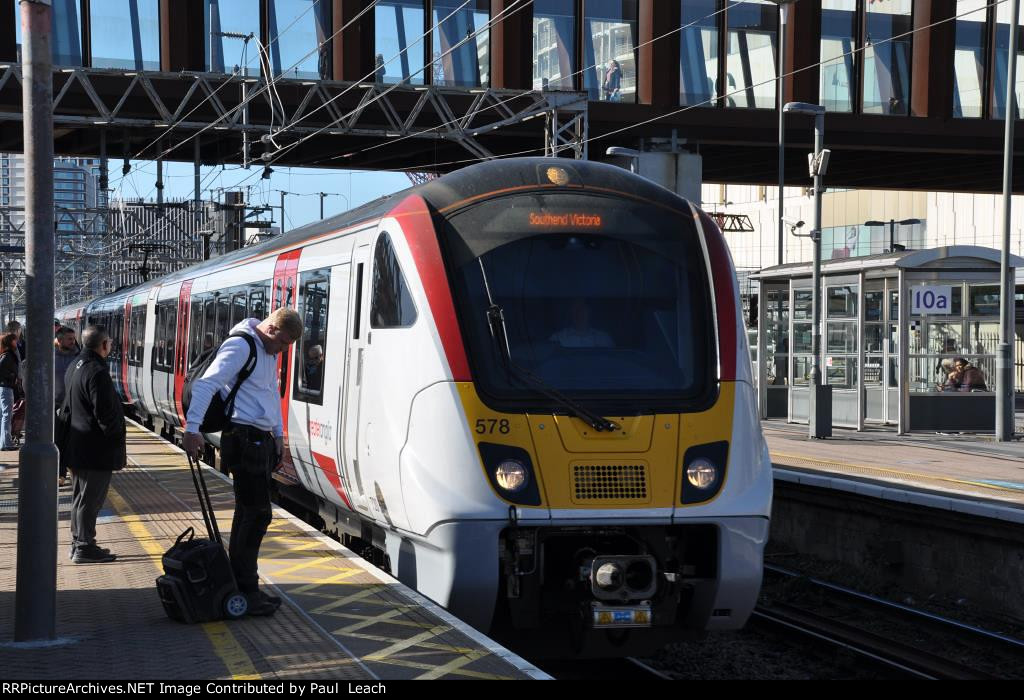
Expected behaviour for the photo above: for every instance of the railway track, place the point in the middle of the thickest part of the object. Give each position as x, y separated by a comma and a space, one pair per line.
885, 650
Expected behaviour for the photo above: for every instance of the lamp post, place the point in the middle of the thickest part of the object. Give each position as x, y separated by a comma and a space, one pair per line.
892, 228
819, 417
783, 18
1004, 360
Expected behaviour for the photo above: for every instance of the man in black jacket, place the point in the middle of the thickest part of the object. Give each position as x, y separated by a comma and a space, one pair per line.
95, 443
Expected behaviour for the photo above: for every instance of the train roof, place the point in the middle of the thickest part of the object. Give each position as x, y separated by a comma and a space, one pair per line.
447, 192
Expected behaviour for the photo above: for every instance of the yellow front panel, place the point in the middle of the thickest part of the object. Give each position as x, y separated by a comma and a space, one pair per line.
712, 425
619, 490
638, 466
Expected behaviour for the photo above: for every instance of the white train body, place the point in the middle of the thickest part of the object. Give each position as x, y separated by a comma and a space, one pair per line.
398, 436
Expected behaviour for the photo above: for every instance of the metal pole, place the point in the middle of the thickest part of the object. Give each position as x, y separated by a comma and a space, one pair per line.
283, 193
892, 235
819, 143
1004, 360
783, 13
160, 182
322, 195
36, 597
197, 194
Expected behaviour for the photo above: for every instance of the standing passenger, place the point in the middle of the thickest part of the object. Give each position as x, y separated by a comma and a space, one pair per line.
95, 445
65, 350
253, 446
8, 383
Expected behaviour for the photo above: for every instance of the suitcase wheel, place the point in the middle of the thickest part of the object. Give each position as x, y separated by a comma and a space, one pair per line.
235, 606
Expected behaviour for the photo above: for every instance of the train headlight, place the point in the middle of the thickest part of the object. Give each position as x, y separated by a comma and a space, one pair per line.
512, 475
608, 576
702, 473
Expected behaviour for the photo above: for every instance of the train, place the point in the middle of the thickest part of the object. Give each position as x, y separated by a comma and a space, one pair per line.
525, 385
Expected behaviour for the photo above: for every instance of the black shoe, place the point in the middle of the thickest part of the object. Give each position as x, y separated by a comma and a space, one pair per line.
74, 548
92, 555
261, 604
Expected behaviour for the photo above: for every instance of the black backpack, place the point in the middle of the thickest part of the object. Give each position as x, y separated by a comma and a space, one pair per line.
218, 414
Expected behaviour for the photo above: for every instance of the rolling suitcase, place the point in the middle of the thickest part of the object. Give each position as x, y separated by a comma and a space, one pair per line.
198, 584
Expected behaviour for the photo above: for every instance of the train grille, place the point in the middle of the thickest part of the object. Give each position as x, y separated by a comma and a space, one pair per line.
610, 482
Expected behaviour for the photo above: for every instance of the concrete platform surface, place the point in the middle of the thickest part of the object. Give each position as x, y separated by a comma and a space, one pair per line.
961, 466
341, 618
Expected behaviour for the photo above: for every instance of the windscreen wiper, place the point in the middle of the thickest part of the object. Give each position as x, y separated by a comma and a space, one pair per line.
496, 321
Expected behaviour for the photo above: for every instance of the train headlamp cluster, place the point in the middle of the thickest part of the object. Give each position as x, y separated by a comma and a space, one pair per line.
702, 473
621, 577
512, 475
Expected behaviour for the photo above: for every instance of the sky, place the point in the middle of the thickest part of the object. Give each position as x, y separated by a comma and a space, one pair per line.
346, 189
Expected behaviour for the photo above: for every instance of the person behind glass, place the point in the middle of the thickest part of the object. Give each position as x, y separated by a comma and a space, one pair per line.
8, 383
253, 445
313, 369
65, 350
971, 378
95, 445
612, 82
579, 333
952, 382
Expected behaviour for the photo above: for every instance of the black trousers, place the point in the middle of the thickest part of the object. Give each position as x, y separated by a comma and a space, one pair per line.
88, 492
250, 455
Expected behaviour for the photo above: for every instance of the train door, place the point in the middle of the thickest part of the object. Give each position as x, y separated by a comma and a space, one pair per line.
358, 327
146, 376
283, 295
180, 347
124, 326
318, 373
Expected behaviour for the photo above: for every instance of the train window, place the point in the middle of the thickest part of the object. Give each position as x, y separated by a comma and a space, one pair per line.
358, 318
223, 317
138, 334
159, 343
314, 291
391, 304
238, 309
258, 303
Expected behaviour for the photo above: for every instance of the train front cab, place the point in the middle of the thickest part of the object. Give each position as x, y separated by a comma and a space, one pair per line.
647, 528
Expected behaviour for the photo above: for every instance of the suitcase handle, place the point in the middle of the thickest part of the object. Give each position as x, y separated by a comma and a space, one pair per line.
209, 517
191, 535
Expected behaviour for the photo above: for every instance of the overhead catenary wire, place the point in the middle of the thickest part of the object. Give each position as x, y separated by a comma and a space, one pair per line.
712, 100
517, 97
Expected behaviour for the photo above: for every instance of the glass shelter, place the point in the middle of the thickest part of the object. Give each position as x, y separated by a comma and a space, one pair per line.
908, 339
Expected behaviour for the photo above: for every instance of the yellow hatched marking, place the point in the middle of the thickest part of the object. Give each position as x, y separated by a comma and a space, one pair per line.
892, 473
225, 645
403, 644
339, 579
353, 598
452, 666
430, 667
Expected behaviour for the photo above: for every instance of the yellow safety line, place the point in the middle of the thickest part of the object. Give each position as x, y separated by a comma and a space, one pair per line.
225, 645
889, 472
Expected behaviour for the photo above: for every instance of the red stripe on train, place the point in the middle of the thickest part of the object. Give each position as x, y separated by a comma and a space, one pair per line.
416, 222
725, 300
330, 469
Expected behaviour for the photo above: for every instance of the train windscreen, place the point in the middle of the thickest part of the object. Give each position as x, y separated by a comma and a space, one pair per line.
601, 298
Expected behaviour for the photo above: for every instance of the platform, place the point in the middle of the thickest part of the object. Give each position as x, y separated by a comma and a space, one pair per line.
958, 468
341, 618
